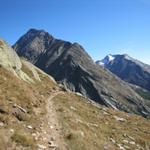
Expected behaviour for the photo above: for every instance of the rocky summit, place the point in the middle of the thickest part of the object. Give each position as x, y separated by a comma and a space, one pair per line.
70, 65
128, 69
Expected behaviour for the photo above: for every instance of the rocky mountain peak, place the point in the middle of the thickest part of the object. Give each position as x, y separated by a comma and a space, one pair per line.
39, 33
40, 41
129, 69
106, 60
71, 65
127, 57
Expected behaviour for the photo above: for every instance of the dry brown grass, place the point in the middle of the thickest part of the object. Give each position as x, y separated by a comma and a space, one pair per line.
30, 97
23, 139
1, 43
84, 126
88, 127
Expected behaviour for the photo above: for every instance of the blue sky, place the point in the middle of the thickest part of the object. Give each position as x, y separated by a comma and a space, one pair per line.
100, 26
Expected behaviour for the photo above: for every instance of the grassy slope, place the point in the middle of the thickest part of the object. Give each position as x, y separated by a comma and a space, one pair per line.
13, 91
86, 127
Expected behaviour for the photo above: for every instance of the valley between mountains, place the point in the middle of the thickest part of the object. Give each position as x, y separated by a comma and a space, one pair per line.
54, 97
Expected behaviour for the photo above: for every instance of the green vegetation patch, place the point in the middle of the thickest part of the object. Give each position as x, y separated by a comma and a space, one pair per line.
144, 94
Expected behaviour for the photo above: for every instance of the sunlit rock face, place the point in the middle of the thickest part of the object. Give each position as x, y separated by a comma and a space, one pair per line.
10, 61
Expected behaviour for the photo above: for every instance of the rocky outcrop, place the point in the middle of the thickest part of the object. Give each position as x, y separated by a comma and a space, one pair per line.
129, 70
70, 64
10, 61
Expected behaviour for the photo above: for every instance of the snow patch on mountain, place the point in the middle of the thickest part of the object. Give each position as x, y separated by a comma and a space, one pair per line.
106, 60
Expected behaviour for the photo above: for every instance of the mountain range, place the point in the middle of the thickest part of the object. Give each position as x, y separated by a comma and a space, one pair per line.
36, 112
128, 69
71, 65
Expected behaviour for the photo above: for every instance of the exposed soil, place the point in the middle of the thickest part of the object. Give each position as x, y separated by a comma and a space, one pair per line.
51, 130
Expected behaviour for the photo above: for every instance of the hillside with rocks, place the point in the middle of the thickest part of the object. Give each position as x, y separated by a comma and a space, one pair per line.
24, 94
41, 114
70, 65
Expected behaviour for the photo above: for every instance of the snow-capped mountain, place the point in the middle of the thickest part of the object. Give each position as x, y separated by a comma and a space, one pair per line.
128, 69
106, 60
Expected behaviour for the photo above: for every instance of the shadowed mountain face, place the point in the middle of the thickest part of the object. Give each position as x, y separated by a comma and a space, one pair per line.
128, 69
70, 64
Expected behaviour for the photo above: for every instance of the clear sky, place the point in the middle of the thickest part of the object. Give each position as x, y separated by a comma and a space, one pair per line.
100, 26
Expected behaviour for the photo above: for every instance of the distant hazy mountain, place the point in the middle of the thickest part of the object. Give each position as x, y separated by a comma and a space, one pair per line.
70, 64
128, 69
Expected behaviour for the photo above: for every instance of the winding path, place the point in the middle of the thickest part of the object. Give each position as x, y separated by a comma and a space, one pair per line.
52, 133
